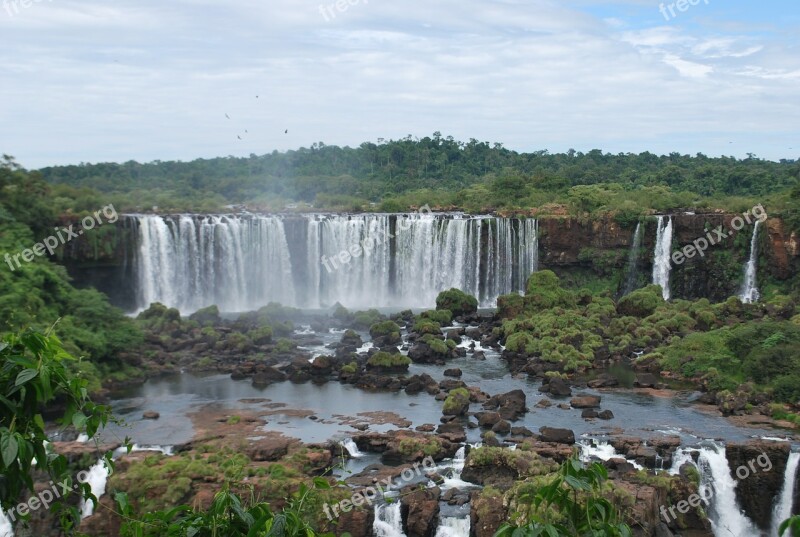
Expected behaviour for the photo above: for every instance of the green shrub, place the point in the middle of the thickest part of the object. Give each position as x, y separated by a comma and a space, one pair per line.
443, 317
386, 360
642, 302
457, 302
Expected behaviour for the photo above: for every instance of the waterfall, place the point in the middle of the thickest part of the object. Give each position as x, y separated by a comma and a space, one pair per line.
451, 526
749, 293
97, 478
6, 529
243, 262
351, 448
190, 262
784, 503
388, 520
633, 261
661, 258
718, 490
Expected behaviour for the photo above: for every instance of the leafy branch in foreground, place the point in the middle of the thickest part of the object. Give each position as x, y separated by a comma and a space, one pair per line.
570, 505
34, 374
792, 524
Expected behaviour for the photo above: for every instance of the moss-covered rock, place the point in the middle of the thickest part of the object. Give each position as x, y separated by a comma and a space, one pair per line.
457, 302
389, 362
457, 403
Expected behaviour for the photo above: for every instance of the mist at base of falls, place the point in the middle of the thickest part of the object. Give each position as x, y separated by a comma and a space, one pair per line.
243, 262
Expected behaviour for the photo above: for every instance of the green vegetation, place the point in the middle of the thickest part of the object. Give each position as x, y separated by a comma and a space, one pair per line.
435, 170
457, 402
384, 360
571, 503
35, 374
457, 302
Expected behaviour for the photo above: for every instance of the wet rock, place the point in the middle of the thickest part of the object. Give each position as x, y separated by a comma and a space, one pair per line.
356, 523
479, 355
420, 509
450, 384
267, 376
426, 428
522, 432
556, 387
454, 372
759, 469
488, 513
151, 415
589, 414
501, 427
646, 380
269, 449
487, 419
544, 403
603, 381
510, 406
557, 436
564, 406
585, 401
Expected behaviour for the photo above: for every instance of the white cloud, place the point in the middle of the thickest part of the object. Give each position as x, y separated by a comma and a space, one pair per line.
146, 80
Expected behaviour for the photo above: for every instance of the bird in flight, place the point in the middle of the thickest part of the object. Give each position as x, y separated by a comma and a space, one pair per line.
239, 137
286, 131
227, 116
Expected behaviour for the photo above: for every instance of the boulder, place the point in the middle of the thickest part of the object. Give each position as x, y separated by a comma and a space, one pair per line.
585, 401
510, 406
558, 436
501, 427
420, 510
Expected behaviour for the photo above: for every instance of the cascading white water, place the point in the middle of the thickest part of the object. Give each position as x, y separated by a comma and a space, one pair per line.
6, 529
388, 520
718, 485
243, 262
784, 503
749, 292
97, 479
453, 527
633, 260
661, 258
351, 448
190, 262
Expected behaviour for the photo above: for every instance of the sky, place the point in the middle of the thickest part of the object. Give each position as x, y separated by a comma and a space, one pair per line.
146, 80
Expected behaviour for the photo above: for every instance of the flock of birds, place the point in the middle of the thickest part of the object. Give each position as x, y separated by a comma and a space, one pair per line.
239, 136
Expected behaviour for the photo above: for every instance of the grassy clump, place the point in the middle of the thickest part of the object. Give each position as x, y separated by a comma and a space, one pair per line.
457, 302
385, 360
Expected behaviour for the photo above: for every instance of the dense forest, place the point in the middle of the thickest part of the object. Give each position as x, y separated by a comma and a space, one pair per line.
397, 174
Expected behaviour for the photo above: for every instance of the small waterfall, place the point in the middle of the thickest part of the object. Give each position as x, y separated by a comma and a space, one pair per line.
97, 478
717, 484
661, 258
593, 449
633, 261
749, 293
6, 529
351, 448
784, 503
453, 527
388, 520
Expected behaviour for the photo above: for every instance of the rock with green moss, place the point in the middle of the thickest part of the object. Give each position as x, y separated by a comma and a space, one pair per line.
457, 403
388, 362
457, 302
385, 333
443, 317
642, 302
207, 316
